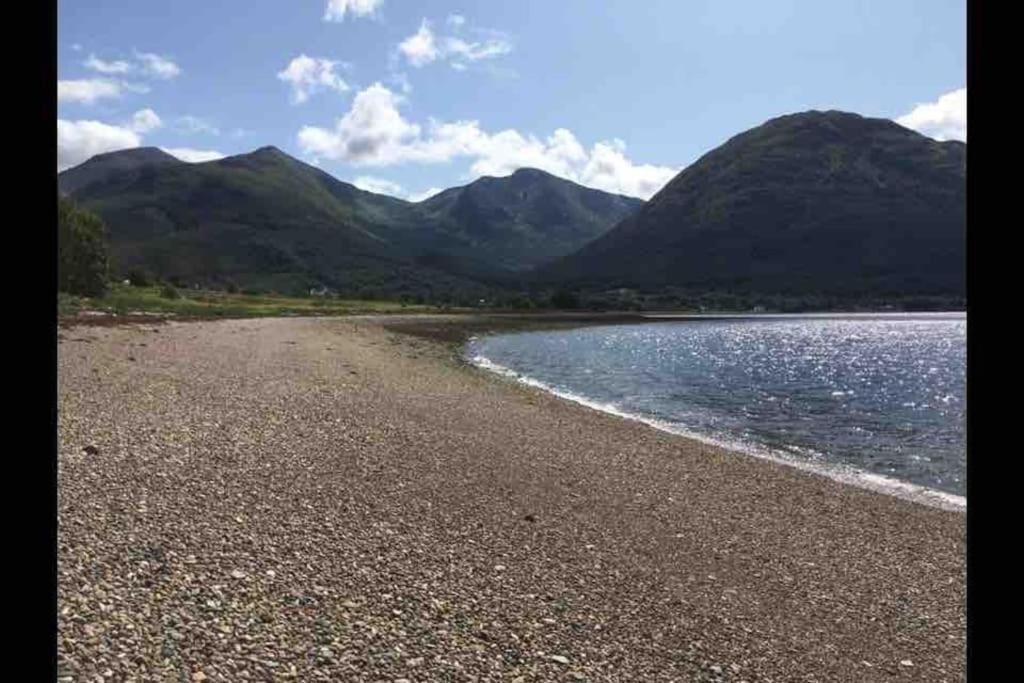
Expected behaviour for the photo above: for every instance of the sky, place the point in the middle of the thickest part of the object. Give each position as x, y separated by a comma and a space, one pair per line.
408, 97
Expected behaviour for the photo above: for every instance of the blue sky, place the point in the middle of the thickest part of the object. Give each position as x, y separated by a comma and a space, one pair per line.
405, 97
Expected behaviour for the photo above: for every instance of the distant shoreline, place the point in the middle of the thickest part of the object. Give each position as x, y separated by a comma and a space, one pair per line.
127, 304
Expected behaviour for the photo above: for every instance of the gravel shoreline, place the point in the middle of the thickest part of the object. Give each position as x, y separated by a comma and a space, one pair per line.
328, 499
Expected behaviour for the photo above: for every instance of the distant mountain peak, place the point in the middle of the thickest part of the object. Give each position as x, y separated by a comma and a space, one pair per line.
136, 154
838, 120
261, 156
102, 166
529, 172
269, 150
527, 217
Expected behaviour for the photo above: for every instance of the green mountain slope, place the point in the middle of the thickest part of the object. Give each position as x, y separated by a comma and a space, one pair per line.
265, 219
816, 202
102, 166
525, 219
260, 220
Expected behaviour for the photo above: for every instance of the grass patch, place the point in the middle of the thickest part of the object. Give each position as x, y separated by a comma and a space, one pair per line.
68, 304
123, 299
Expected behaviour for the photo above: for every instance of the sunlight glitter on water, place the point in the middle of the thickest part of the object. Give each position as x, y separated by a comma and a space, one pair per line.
881, 396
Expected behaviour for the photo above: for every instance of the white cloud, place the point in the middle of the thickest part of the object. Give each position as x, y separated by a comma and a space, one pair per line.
193, 156
336, 9
157, 66
420, 48
476, 51
191, 125
424, 47
392, 189
379, 186
310, 75
944, 119
145, 64
456, 20
116, 67
144, 121
374, 133
87, 91
77, 141
426, 194
77, 47
608, 169
135, 87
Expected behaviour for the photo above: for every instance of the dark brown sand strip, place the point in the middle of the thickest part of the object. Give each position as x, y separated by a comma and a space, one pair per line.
328, 500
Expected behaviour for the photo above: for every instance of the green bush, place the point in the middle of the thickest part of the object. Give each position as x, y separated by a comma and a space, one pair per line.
82, 261
169, 292
67, 304
565, 300
137, 277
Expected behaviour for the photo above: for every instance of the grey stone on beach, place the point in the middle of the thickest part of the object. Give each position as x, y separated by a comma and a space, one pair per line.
383, 502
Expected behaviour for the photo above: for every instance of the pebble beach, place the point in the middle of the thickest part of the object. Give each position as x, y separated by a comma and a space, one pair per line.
335, 499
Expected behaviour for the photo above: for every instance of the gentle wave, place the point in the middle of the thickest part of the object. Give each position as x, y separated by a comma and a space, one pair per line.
844, 474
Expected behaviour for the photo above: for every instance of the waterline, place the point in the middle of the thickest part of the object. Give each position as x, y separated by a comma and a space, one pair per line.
837, 472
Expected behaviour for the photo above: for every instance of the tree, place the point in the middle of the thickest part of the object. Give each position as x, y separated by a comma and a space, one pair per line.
565, 299
82, 261
138, 277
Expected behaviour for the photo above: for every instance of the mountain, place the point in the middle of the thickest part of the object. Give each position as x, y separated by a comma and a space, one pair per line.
525, 219
267, 220
815, 202
260, 220
104, 165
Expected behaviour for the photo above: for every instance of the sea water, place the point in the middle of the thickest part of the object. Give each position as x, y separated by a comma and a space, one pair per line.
877, 397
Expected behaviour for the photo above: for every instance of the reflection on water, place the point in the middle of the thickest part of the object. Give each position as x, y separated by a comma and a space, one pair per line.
884, 394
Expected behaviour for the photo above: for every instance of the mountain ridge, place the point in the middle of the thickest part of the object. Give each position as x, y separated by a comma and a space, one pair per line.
815, 202
102, 165
265, 213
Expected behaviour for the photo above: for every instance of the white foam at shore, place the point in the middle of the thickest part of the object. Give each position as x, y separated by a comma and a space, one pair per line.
844, 474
